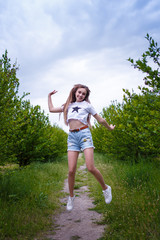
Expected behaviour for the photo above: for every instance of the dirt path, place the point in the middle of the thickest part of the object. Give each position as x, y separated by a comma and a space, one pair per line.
81, 222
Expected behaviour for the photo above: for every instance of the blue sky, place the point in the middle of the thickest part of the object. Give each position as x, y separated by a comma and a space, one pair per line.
59, 43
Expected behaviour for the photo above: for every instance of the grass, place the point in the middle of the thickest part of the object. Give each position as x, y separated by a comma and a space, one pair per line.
29, 197
134, 211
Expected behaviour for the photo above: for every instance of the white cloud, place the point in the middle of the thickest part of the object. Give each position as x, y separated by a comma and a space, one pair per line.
104, 75
63, 42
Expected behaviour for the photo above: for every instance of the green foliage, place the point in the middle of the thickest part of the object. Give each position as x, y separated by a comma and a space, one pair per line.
8, 98
137, 128
152, 78
57, 144
137, 132
25, 132
34, 138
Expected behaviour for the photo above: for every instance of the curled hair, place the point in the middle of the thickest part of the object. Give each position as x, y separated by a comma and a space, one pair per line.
72, 98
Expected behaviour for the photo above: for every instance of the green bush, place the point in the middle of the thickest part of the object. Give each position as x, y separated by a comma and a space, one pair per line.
137, 128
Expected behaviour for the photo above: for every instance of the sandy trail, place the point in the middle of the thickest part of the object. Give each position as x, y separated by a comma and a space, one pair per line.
81, 222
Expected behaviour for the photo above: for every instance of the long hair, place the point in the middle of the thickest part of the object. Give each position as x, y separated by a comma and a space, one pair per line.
72, 98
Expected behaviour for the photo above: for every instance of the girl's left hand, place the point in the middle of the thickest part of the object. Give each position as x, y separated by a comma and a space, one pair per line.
112, 127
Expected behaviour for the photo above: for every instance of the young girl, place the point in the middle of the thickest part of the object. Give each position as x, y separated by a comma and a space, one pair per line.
77, 111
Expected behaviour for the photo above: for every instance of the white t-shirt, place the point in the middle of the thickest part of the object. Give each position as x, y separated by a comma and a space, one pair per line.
80, 111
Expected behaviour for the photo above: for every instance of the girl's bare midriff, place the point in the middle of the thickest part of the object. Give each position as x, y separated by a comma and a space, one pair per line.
74, 124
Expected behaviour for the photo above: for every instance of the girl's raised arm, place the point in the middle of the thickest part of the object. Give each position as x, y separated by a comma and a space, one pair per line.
50, 104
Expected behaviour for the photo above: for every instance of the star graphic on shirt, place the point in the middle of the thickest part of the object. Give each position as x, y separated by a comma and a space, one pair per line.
75, 109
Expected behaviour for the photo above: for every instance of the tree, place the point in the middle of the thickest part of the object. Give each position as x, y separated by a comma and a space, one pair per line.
26, 134
152, 78
9, 85
137, 132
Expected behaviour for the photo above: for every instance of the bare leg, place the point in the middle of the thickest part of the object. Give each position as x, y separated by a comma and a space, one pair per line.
89, 157
72, 165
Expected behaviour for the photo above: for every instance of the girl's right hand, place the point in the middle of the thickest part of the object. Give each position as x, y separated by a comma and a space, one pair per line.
53, 92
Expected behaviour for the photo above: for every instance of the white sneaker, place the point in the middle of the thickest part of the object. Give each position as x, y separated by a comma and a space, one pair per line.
107, 194
70, 203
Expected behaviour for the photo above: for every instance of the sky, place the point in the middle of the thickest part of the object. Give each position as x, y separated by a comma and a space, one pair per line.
59, 43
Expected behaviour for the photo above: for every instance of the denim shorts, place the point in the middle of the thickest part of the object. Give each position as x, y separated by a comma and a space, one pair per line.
78, 141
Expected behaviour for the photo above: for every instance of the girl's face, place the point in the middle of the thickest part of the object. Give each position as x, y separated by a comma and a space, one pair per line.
80, 94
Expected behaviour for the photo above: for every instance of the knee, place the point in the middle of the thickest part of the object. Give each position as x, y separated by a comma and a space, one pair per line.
91, 169
71, 172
